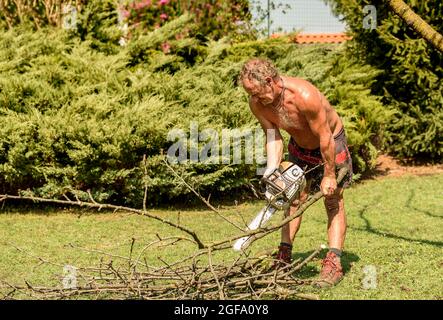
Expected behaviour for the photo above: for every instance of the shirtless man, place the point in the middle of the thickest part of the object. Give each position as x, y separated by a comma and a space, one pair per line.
317, 137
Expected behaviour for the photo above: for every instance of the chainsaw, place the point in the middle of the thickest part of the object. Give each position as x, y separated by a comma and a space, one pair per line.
281, 188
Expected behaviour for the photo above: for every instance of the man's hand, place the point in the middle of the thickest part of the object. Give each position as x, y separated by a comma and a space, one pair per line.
263, 184
328, 186
268, 171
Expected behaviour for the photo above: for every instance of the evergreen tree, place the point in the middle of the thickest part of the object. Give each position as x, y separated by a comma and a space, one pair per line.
411, 80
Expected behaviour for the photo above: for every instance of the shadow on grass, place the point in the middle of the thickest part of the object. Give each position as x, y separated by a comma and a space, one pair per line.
409, 205
370, 229
312, 269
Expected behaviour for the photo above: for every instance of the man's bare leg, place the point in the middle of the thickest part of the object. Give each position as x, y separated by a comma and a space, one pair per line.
289, 231
335, 209
332, 271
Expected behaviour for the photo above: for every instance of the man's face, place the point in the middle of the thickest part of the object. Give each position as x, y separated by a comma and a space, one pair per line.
264, 94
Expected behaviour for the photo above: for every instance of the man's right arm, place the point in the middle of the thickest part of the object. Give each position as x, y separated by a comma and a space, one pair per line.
274, 141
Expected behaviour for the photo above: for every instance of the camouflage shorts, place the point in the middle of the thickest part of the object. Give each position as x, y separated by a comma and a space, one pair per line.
308, 159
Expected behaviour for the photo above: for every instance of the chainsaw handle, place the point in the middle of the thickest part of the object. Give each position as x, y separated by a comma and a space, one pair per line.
264, 181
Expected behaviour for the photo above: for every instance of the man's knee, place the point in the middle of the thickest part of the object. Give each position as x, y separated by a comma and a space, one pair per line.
332, 203
296, 203
304, 193
301, 199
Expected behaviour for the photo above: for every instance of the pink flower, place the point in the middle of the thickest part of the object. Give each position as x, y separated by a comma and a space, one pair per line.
163, 16
166, 47
163, 2
142, 4
125, 13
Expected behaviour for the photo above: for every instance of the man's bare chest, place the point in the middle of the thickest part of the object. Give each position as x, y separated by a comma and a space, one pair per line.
288, 118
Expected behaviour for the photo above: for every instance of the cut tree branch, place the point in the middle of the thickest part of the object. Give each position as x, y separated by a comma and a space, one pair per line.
143, 213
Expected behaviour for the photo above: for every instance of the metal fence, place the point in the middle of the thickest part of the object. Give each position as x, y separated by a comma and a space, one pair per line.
309, 16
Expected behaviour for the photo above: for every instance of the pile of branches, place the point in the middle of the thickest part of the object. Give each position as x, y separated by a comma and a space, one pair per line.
194, 277
191, 278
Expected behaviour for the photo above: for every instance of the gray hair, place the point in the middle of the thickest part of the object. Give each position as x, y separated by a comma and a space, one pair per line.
258, 69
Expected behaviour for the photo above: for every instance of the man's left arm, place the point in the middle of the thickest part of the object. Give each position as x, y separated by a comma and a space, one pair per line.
315, 114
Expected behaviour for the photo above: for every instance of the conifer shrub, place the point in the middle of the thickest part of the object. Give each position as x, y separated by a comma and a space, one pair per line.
77, 119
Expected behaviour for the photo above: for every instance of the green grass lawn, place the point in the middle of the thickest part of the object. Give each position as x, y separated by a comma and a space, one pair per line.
395, 225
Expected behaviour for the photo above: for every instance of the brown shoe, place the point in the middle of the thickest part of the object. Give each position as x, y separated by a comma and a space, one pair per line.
331, 272
283, 257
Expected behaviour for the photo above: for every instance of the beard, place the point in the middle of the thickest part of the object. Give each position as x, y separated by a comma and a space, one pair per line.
267, 101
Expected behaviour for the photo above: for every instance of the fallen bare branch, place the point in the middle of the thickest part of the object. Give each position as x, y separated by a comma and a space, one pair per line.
206, 202
107, 206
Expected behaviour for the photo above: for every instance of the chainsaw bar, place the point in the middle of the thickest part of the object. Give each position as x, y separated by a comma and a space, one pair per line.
283, 187
259, 221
